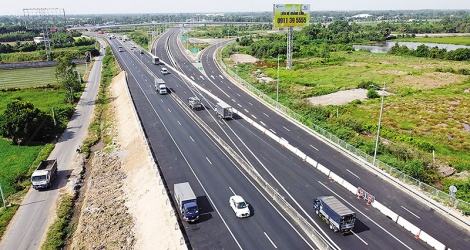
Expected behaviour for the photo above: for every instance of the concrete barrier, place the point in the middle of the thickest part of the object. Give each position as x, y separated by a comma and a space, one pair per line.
259, 127
290, 148
431, 241
387, 212
408, 226
349, 187
300, 154
336, 178
272, 135
311, 161
323, 169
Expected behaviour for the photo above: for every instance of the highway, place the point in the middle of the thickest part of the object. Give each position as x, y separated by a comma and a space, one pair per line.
299, 182
185, 152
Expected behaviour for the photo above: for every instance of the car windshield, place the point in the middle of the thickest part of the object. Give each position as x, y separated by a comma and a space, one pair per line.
39, 178
241, 205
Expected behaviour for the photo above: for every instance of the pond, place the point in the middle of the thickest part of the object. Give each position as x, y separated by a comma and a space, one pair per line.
411, 45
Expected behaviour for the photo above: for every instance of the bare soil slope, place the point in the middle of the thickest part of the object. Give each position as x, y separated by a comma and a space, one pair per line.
124, 205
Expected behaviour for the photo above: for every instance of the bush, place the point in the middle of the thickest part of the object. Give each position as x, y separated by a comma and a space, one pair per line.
372, 94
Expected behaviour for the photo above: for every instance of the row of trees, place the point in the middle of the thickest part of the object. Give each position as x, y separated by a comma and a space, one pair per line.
461, 54
58, 40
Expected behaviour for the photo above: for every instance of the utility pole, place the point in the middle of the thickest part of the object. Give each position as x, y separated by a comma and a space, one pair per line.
42, 18
378, 130
3, 197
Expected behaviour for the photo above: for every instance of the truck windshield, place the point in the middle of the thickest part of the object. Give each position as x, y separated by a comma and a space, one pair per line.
192, 210
39, 178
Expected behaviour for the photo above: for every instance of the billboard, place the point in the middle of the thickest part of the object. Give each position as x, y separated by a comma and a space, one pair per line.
291, 15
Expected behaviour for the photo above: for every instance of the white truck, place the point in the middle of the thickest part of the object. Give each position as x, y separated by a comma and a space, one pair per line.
186, 201
160, 86
44, 174
223, 110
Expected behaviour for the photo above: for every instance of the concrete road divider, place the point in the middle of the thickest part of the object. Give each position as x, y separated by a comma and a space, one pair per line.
387, 212
408, 226
323, 169
311, 161
431, 241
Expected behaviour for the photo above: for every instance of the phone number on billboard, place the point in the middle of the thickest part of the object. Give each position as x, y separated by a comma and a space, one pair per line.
292, 20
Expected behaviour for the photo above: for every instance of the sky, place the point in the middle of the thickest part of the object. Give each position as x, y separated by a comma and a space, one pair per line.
15, 7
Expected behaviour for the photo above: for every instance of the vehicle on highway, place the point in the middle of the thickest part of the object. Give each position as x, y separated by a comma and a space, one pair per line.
141, 51
120, 49
195, 103
44, 174
164, 71
223, 110
336, 214
239, 206
155, 60
186, 201
160, 86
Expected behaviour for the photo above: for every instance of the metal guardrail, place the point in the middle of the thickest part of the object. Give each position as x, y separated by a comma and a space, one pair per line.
428, 190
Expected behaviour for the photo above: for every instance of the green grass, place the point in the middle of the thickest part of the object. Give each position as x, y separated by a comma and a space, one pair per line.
458, 40
426, 110
15, 163
31, 77
5, 217
60, 228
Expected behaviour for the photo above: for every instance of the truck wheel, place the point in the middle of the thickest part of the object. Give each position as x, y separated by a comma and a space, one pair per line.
316, 211
332, 227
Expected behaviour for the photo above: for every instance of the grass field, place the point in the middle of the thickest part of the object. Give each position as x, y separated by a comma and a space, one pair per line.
31, 77
458, 40
425, 106
15, 163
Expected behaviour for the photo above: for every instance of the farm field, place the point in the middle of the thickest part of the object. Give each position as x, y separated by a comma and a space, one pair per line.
31, 77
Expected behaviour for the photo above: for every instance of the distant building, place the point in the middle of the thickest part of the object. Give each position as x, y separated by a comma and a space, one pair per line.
361, 16
38, 39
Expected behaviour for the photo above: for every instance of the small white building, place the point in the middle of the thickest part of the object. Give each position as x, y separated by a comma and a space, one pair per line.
38, 39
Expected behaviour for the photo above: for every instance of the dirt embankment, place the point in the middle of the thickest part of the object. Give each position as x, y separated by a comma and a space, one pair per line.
124, 206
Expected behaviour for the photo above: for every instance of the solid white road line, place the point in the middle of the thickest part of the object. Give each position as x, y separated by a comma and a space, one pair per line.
270, 239
359, 237
232, 191
410, 212
352, 173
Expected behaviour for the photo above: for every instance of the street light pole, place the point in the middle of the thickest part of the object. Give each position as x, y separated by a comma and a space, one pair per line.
277, 88
378, 130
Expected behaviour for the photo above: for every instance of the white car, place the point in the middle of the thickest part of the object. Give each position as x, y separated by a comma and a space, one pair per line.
239, 206
164, 71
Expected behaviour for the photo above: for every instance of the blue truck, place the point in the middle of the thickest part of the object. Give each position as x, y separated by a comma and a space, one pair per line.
336, 214
186, 201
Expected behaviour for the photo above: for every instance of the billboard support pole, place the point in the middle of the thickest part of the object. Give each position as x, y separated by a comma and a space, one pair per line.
290, 30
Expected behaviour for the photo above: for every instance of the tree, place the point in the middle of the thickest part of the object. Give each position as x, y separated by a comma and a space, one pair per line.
67, 77
22, 122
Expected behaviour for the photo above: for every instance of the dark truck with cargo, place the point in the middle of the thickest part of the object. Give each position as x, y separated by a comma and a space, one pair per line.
186, 201
336, 214
44, 174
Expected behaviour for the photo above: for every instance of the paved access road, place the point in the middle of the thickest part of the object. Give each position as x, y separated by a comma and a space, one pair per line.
28, 228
